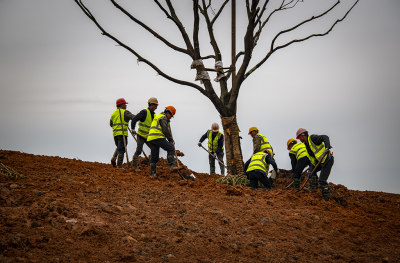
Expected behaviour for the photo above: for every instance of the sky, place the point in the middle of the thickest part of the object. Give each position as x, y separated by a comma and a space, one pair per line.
59, 79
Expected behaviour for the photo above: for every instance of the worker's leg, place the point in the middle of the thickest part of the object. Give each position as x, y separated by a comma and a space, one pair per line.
221, 158
120, 149
253, 179
211, 161
114, 158
323, 178
155, 152
300, 165
168, 147
262, 177
313, 181
139, 149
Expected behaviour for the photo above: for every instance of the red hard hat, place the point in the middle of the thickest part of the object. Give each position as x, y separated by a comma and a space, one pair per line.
300, 131
171, 109
121, 101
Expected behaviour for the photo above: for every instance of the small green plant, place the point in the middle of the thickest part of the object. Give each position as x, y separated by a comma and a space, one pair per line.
9, 172
234, 180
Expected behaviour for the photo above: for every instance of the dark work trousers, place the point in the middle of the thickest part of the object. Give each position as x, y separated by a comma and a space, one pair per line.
325, 169
211, 160
139, 145
119, 142
155, 146
300, 165
257, 175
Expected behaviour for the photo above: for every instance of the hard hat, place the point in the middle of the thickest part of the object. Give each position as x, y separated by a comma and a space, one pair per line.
171, 109
252, 129
290, 141
268, 151
121, 101
300, 131
215, 127
153, 100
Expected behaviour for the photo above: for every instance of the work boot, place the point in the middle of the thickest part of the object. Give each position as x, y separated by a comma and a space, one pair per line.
313, 183
135, 160
171, 162
296, 183
153, 170
114, 161
120, 160
326, 192
222, 170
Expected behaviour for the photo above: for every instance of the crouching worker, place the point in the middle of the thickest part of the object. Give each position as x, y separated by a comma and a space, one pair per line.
160, 132
256, 169
299, 159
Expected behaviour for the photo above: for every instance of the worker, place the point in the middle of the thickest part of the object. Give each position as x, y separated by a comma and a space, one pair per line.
318, 147
260, 142
145, 118
256, 169
120, 132
215, 147
299, 159
160, 136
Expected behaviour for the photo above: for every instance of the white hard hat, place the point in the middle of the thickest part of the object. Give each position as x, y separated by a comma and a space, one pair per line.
215, 127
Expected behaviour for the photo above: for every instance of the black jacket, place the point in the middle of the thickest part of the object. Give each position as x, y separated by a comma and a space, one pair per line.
220, 141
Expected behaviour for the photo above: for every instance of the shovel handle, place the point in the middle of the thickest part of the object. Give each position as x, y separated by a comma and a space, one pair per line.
214, 156
313, 171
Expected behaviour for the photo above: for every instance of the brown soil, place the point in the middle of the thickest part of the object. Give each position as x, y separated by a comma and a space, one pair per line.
73, 211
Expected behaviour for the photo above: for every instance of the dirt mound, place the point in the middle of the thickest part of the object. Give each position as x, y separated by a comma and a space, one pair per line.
68, 210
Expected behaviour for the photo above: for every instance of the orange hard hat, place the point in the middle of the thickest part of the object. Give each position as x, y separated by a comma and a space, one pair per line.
300, 132
121, 101
171, 109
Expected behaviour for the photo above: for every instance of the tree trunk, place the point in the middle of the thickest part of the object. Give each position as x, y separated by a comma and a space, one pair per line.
234, 158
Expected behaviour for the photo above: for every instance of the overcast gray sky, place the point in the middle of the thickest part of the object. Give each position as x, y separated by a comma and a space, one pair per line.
59, 79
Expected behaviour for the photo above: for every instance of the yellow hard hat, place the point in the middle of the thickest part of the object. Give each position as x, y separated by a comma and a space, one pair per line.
290, 141
269, 151
252, 129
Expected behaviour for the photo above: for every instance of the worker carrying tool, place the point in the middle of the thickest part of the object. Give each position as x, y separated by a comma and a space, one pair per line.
299, 159
145, 118
215, 147
120, 131
256, 169
160, 136
260, 142
318, 149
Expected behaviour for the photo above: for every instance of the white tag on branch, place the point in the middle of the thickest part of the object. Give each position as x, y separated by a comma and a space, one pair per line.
220, 71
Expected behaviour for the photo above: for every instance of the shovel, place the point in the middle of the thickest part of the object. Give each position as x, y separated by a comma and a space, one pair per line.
178, 169
214, 157
315, 168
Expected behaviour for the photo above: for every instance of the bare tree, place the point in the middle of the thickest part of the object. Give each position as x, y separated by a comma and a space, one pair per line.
259, 14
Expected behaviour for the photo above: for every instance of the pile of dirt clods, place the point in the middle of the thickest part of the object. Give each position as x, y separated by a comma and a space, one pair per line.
62, 210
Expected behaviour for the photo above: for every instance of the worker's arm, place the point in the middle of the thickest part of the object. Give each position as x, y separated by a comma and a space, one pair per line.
246, 165
220, 144
111, 123
203, 137
128, 116
141, 116
256, 144
166, 130
318, 139
270, 160
293, 160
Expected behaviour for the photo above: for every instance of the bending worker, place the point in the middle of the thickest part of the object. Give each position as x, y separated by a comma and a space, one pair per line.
145, 118
257, 167
260, 142
160, 132
317, 146
116, 123
299, 159
215, 147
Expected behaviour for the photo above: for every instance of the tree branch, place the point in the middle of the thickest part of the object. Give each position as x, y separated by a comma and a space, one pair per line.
150, 30
219, 11
196, 29
140, 58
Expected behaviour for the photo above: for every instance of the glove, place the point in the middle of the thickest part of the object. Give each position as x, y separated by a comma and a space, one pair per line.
199, 144
172, 141
215, 155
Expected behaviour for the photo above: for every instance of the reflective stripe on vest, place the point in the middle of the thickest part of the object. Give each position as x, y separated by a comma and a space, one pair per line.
155, 128
264, 142
318, 151
117, 130
257, 162
299, 150
144, 126
213, 144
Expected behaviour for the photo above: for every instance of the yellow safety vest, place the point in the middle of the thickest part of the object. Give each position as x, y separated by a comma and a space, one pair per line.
117, 130
155, 128
299, 150
144, 126
318, 151
264, 143
213, 144
257, 162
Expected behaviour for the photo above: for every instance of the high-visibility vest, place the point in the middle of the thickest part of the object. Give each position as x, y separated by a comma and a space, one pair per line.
155, 128
264, 143
318, 151
299, 150
213, 144
258, 162
144, 126
116, 126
